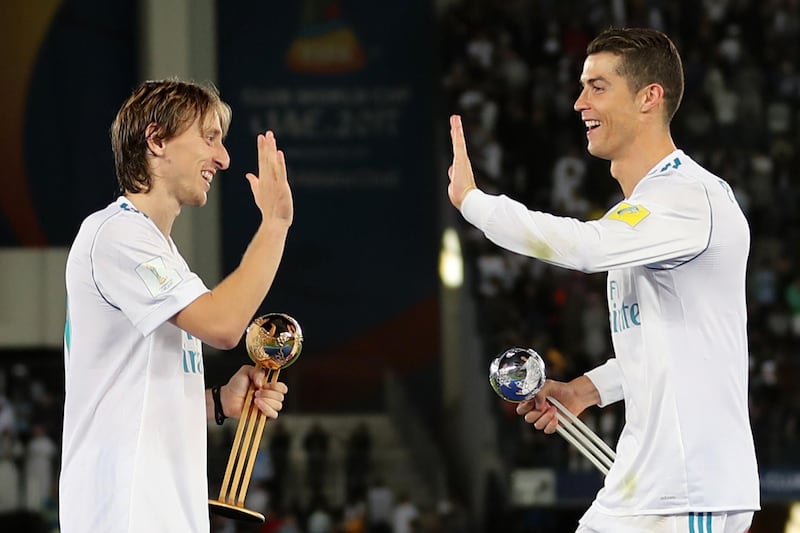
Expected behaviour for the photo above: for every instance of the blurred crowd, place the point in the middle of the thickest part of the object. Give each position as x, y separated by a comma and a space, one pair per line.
318, 477
511, 70
329, 478
30, 435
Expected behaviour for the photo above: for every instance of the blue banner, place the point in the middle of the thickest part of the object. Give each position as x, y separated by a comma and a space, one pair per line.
67, 66
348, 88
780, 485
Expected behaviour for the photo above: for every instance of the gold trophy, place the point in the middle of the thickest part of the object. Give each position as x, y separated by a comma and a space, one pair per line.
273, 341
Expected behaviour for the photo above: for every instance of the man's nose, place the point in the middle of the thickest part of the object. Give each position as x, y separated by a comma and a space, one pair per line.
222, 158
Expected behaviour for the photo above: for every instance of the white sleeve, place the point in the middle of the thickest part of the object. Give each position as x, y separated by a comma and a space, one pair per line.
135, 271
666, 222
607, 379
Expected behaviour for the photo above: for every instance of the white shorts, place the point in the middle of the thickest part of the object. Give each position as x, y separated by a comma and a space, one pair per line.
595, 521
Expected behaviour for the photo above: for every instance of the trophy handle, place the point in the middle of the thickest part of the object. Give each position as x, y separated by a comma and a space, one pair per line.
242, 458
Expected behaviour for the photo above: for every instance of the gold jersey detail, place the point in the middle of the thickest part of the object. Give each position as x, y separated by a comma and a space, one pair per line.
629, 214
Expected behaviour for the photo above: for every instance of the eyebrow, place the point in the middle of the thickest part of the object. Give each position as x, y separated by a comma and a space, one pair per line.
590, 81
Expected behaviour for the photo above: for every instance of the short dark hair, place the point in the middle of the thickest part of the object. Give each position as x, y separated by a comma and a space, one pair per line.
171, 105
647, 56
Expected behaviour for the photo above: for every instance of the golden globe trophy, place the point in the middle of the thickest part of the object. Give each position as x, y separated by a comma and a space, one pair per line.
274, 342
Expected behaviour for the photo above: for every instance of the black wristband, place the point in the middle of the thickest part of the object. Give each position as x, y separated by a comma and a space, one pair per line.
219, 413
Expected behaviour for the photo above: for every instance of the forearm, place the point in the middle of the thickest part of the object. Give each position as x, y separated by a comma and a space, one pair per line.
585, 394
220, 317
663, 237
513, 226
240, 294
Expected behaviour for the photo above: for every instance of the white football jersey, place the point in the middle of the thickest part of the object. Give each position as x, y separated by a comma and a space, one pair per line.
134, 444
676, 253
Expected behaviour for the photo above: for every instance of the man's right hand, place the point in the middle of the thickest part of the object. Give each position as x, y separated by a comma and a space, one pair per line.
576, 396
271, 187
462, 179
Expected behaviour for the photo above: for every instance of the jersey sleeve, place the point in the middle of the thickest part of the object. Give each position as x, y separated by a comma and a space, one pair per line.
666, 222
607, 379
136, 271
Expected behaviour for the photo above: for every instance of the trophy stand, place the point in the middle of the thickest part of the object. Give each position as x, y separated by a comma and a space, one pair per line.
273, 342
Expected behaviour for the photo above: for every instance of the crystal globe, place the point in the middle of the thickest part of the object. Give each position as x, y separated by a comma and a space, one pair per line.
517, 374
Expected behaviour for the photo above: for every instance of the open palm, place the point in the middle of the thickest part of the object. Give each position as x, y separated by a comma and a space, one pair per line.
462, 179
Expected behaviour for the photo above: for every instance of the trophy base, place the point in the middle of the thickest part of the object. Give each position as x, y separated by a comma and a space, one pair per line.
237, 513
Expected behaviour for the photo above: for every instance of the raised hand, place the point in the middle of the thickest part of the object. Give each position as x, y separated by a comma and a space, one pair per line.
270, 188
462, 180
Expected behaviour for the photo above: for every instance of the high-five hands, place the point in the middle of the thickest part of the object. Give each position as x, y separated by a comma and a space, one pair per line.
462, 180
271, 187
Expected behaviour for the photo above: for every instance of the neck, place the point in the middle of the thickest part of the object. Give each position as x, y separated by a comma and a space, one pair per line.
639, 158
161, 211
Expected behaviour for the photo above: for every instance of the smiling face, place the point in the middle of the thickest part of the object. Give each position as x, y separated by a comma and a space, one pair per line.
155, 111
190, 160
608, 107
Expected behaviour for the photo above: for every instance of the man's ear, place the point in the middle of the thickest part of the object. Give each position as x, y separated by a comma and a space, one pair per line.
651, 97
155, 144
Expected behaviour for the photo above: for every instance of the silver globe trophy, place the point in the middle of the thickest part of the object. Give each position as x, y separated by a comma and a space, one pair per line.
517, 374
274, 342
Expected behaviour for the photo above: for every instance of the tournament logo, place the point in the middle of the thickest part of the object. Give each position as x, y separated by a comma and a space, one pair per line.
629, 214
157, 277
326, 43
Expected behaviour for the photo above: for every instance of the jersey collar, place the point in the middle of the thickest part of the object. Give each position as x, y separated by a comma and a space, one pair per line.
673, 160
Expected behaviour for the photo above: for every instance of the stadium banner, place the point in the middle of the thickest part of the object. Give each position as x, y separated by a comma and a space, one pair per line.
780, 485
57, 111
347, 87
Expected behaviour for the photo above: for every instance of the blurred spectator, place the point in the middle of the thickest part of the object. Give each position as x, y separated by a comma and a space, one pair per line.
8, 420
793, 300
280, 442
405, 515
453, 516
10, 450
258, 496
39, 468
320, 519
380, 505
316, 445
354, 516
358, 460
568, 175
